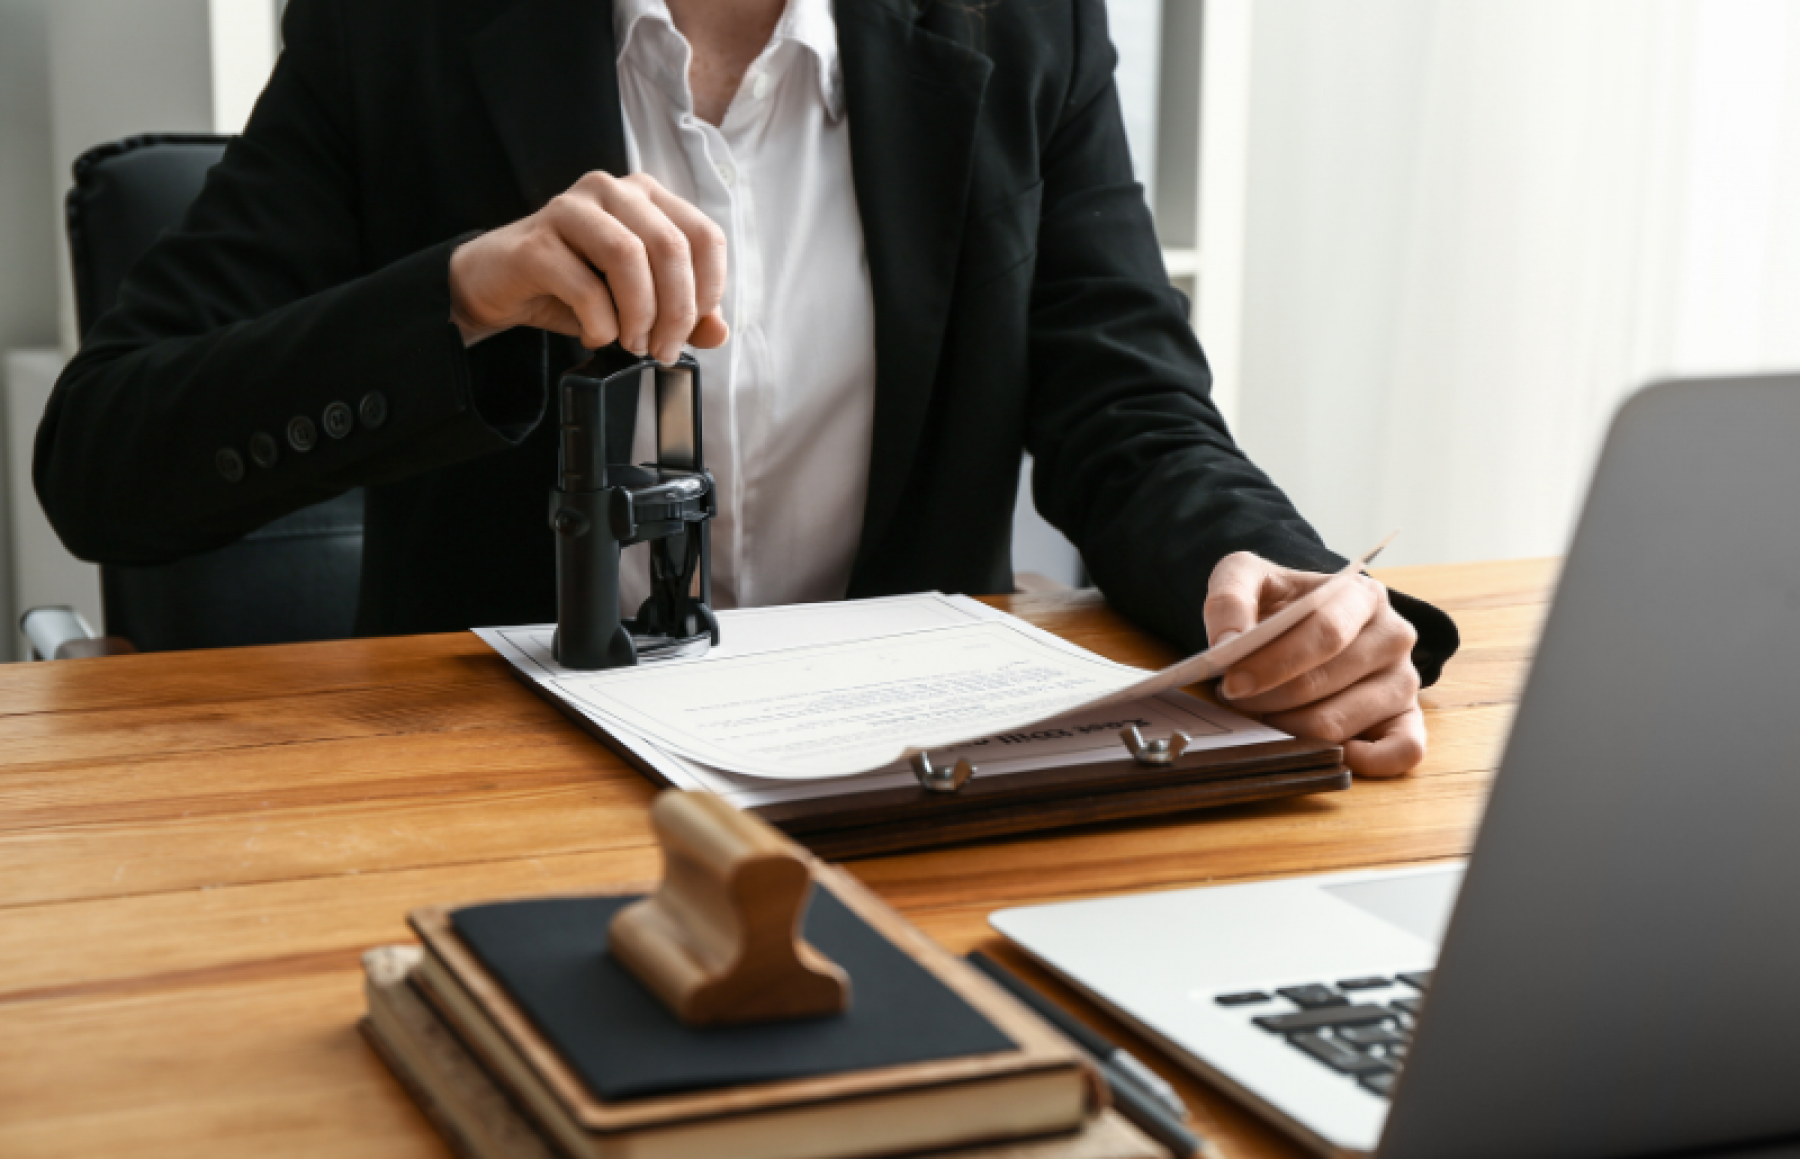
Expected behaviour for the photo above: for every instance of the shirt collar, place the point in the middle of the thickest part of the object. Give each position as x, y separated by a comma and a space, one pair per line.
645, 31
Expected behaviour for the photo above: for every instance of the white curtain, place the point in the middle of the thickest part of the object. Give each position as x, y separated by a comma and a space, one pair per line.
1473, 226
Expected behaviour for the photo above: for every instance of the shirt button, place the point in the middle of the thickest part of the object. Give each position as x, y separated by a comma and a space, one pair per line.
338, 420
727, 174
759, 88
230, 464
301, 434
374, 409
264, 451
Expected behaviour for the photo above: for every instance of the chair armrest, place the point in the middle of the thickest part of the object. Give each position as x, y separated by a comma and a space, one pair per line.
60, 633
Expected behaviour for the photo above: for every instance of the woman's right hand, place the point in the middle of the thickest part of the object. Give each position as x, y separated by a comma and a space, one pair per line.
612, 259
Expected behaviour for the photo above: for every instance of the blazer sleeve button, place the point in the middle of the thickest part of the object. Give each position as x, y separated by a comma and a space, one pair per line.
265, 452
230, 465
301, 434
339, 421
374, 409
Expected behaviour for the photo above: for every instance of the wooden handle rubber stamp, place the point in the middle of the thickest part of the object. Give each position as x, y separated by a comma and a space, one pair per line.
719, 942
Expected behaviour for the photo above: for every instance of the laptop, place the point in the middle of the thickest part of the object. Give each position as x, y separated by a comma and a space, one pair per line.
1616, 969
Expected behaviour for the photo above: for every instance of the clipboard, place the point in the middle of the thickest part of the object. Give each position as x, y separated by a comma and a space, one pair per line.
1148, 777
1151, 783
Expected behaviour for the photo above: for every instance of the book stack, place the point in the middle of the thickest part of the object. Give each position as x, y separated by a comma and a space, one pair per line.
520, 1036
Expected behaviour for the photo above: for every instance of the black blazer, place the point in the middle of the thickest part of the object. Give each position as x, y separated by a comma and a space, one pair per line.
1020, 303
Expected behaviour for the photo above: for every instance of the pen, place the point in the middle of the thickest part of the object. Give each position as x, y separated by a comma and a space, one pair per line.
1139, 1093
1088, 1039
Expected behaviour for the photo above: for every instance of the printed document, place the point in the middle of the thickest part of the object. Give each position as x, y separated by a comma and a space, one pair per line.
833, 710
822, 699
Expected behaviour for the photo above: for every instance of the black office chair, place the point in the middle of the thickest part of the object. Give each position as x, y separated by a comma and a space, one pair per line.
293, 579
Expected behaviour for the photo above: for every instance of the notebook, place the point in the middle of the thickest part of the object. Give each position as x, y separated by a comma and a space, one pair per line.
479, 1121
931, 1055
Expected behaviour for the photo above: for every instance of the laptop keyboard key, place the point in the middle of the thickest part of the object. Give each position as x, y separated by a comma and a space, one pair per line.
1379, 1082
1409, 1006
1312, 995
1418, 979
1363, 1037
1324, 1016
1242, 998
1337, 1056
1372, 982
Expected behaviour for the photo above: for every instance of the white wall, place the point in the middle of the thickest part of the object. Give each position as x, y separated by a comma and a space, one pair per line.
1223, 188
1473, 225
1136, 27
28, 238
243, 39
1038, 547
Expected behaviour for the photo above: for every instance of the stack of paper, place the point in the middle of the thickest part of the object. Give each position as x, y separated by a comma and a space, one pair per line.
819, 700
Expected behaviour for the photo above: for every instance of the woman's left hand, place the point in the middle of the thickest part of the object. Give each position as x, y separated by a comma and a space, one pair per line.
1344, 674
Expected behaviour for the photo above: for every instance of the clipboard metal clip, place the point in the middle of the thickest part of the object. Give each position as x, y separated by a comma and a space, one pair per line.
936, 780
1155, 753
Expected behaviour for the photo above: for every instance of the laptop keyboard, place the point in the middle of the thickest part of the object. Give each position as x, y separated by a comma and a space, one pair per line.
1359, 1027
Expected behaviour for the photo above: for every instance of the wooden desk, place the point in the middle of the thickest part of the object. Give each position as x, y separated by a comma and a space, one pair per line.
195, 849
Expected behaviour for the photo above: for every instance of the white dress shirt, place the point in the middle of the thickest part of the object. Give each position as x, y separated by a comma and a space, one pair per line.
789, 401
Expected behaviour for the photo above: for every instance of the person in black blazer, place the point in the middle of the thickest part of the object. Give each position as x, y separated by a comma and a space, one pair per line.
301, 317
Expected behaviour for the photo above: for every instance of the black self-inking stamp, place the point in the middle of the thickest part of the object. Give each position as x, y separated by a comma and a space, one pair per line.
603, 504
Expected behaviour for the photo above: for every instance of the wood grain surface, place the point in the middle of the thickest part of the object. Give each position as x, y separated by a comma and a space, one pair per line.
196, 849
